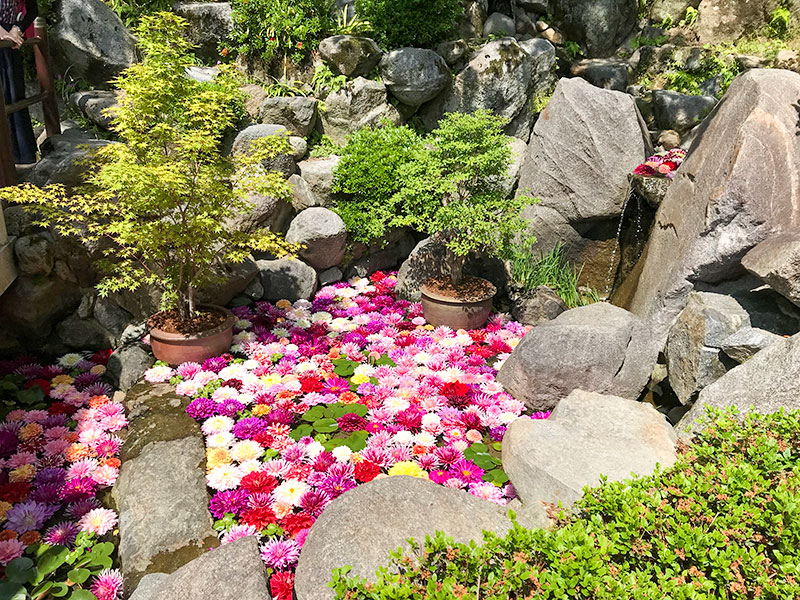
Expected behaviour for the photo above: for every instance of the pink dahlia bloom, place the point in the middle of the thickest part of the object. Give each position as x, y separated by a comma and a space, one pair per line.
99, 521
107, 585
9, 550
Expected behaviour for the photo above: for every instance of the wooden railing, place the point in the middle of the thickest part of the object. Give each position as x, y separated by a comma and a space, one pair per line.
46, 96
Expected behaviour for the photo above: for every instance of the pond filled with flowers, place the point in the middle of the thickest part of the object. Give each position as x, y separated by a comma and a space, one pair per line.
56, 454
320, 396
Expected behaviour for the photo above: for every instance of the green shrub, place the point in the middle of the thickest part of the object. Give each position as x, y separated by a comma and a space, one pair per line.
131, 11
553, 270
780, 21
716, 61
399, 23
723, 523
375, 166
279, 28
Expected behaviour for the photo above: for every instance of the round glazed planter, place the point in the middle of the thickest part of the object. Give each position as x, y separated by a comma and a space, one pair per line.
177, 348
440, 309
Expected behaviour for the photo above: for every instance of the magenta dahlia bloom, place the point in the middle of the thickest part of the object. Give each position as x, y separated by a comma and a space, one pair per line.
248, 428
99, 389
314, 502
107, 585
447, 455
80, 507
49, 493
215, 364
336, 385
351, 422
78, 488
336, 486
201, 408
280, 416
229, 501
497, 433
62, 534
8, 443
28, 516
341, 469
467, 470
229, 407
280, 553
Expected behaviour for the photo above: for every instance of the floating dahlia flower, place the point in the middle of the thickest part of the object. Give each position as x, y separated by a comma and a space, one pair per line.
78, 489
290, 491
280, 553
62, 534
237, 532
28, 516
411, 469
9, 550
77, 509
98, 520
229, 501
107, 585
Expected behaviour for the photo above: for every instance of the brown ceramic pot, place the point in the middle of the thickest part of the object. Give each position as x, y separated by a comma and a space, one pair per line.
177, 348
440, 309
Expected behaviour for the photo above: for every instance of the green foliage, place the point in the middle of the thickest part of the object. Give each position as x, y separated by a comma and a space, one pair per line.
160, 200
715, 62
399, 23
641, 40
551, 269
572, 49
325, 81
286, 88
56, 571
322, 145
13, 396
723, 523
449, 185
780, 21
131, 11
279, 28
351, 25
376, 165
690, 18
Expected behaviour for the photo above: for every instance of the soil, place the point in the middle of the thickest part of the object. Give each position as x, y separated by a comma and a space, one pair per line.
171, 322
471, 289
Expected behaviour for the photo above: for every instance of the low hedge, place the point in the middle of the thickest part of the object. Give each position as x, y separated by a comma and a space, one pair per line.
723, 523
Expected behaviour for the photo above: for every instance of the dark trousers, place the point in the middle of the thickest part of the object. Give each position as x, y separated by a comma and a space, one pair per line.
12, 80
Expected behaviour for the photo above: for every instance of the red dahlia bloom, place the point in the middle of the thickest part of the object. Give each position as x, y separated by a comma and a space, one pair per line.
281, 585
295, 523
259, 517
366, 471
259, 483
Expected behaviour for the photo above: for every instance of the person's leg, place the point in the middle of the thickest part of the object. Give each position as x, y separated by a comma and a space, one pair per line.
20, 122
6, 83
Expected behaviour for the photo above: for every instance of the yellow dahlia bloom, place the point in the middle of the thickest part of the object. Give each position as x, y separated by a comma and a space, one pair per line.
408, 468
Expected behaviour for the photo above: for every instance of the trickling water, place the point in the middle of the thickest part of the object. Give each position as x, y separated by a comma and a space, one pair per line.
610, 275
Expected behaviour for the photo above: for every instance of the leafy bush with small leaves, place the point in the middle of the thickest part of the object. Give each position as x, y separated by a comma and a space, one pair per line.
722, 524
780, 20
279, 29
325, 81
400, 23
716, 62
376, 167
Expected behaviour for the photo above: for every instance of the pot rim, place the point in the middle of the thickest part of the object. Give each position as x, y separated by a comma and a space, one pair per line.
174, 337
426, 291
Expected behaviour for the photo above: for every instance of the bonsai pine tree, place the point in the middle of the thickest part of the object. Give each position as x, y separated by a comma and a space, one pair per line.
159, 200
471, 211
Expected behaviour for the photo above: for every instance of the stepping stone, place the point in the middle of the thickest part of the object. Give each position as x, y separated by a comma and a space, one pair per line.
234, 571
161, 494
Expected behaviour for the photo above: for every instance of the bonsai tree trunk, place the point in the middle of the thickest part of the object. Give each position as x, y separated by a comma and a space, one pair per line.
455, 266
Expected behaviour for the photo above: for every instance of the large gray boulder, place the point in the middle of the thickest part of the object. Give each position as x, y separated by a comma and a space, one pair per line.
745, 343
163, 504
285, 163
91, 41
209, 24
32, 304
680, 112
361, 103
233, 571
34, 254
128, 364
298, 114
594, 348
322, 235
501, 76
764, 384
735, 188
287, 279
350, 55
584, 146
318, 175
776, 261
694, 355
599, 25
265, 212
588, 435
414, 75
674, 10
364, 525
725, 20
66, 162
